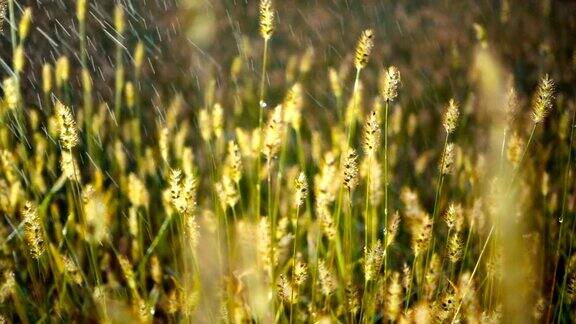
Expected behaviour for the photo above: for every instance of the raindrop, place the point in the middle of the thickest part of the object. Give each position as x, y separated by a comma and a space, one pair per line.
263, 104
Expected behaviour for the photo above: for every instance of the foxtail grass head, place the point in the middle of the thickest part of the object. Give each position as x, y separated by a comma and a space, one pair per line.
3, 5
266, 19
390, 83
363, 49
33, 233
301, 190
451, 116
11, 97
351, 170
81, 10
371, 134
543, 99
67, 126
119, 19
139, 53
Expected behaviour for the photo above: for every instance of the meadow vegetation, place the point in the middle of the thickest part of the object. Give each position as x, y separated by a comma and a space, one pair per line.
300, 192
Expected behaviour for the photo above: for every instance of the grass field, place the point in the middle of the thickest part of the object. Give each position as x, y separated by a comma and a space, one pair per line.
287, 161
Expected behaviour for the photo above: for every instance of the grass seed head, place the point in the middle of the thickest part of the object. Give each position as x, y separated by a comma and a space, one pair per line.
394, 298
363, 49
266, 19
67, 126
273, 134
373, 261
19, 59
372, 134
543, 99
327, 279
234, 162
10, 87
119, 19
25, 22
451, 116
351, 170
390, 83
47, 78
301, 191
81, 10
447, 159
33, 233
62, 71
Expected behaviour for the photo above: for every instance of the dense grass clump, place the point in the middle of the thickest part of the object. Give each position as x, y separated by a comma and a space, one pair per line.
284, 188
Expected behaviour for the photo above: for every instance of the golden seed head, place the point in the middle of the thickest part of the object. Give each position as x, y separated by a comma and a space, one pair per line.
127, 272
71, 269
188, 161
394, 298
62, 71
327, 224
24, 28
47, 78
176, 194
266, 19
273, 134
447, 162
571, 289
130, 94
137, 192
3, 6
139, 53
119, 19
81, 10
192, 231
19, 59
266, 251
8, 286
452, 215
363, 49
293, 105
421, 234
455, 248
66, 126
543, 99
389, 83
373, 260
163, 143
236, 68
512, 105
301, 189
351, 170
33, 233
205, 120
372, 134
182, 191
11, 92
155, 270
227, 192
392, 230
285, 290
86, 80
69, 166
335, 83
515, 148
451, 116
300, 273
234, 162
352, 298
327, 279
218, 120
